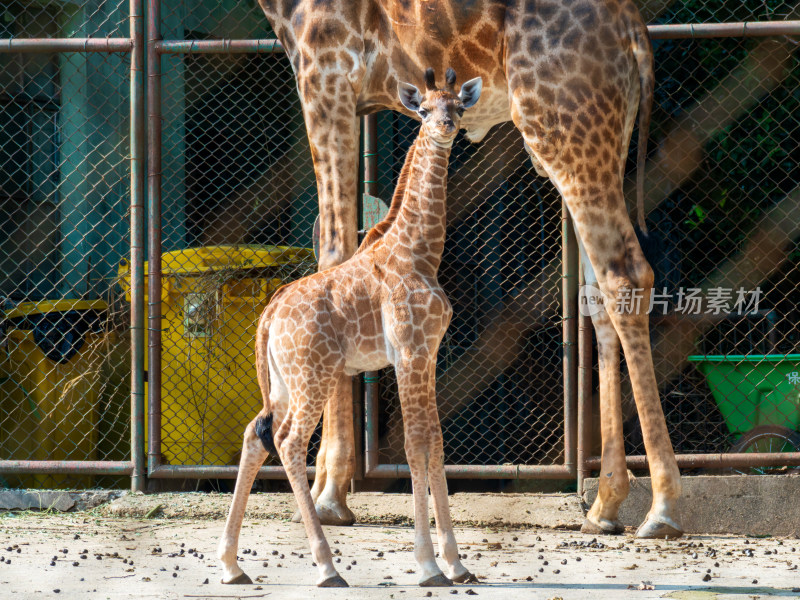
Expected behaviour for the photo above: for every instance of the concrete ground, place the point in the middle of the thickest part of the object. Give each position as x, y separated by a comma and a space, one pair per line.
116, 551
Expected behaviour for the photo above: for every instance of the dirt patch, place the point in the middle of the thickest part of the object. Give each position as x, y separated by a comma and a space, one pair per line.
561, 511
94, 557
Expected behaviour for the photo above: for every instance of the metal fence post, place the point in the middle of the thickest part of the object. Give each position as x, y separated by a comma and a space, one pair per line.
371, 378
138, 482
569, 299
367, 411
154, 233
585, 368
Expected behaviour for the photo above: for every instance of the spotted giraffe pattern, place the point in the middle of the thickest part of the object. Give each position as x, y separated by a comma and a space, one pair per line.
384, 306
571, 74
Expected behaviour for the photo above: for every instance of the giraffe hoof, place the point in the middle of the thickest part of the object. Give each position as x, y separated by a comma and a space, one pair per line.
605, 527
240, 579
335, 581
658, 530
440, 580
465, 577
338, 515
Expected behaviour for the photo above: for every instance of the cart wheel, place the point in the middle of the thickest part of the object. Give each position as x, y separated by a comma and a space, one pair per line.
767, 438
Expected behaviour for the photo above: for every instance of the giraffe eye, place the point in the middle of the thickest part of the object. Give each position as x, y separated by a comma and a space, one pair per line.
460, 111
422, 113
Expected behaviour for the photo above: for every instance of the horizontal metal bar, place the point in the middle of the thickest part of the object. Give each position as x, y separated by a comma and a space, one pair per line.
88, 467
270, 46
657, 32
717, 30
41, 45
397, 471
216, 472
219, 47
726, 460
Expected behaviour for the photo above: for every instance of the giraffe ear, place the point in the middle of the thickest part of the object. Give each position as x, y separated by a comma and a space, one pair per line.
409, 96
470, 92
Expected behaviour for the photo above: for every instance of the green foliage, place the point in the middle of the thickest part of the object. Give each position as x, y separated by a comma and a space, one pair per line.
749, 165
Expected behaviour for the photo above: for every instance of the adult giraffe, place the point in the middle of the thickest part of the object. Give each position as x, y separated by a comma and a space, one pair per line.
568, 73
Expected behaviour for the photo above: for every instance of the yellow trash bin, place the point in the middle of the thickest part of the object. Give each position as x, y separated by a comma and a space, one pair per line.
49, 380
212, 298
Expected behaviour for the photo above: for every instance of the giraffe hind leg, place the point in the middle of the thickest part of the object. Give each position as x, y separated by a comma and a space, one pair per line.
336, 458
253, 456
331, 502
580, 144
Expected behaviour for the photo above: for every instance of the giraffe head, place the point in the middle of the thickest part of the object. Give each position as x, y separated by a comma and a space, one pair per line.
440, 109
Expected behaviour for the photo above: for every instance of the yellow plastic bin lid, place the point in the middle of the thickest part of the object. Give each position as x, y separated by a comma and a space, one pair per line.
218, 258
58, 327
207, 259
27, 309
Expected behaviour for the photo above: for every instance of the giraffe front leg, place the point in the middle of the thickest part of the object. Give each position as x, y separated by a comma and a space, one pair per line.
253, 456
332, 127
441, 506
417, 454
413, 391
438, 485
603, 517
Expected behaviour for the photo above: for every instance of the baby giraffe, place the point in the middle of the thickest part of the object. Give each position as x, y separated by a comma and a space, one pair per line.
382, 307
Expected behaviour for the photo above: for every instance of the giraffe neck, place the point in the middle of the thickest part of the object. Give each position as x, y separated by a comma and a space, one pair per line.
417, 233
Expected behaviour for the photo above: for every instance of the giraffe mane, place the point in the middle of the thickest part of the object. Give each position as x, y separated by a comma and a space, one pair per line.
380, 229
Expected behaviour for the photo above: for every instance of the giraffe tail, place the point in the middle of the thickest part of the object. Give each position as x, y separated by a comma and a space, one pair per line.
263, 422
263, 429
643, 52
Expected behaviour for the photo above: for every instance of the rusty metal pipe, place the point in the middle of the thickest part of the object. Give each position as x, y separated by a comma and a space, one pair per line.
371, 454
720, 460
47, 45
569, 308
154, 234
369, 126
224, 46
216, 472
80, 467
585, 370
396, 471
370, 378
717, 30
137, 140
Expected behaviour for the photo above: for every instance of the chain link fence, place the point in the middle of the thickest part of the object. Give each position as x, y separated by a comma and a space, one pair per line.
499, 374
722, 195
64, 207
236, 206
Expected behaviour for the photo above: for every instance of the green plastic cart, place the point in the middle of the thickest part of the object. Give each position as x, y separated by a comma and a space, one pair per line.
759, 398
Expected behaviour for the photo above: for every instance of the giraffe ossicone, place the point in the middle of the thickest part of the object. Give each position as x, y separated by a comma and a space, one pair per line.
384, 306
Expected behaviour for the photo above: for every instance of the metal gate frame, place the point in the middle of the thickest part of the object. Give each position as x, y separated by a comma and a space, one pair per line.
577, 365
133, 45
